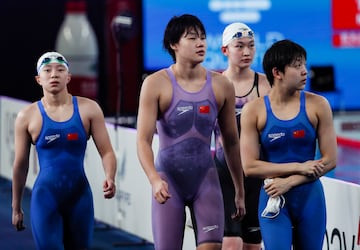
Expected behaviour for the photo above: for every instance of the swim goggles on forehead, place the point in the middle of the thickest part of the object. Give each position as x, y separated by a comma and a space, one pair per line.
244, 33
58, 59
53, 59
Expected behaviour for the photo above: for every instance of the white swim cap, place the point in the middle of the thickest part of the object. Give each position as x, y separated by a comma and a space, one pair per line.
235, 30
51, 57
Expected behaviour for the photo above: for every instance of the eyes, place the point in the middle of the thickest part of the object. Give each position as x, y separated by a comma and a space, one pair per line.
195, 36
299, 64
242, 43
49, 69
241, 46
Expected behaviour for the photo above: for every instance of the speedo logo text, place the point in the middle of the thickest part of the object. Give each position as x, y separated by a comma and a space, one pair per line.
210, 228
51, 138
275, 136
184, 109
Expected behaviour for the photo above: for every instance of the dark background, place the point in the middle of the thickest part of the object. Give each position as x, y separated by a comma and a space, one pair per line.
29, 28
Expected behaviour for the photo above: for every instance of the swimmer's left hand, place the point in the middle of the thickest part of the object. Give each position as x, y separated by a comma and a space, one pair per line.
109, 189
240, 210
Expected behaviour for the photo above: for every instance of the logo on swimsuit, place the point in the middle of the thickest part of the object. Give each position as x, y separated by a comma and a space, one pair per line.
275, 136
238, 111
253, 229
210, 228
184, 109
51, 138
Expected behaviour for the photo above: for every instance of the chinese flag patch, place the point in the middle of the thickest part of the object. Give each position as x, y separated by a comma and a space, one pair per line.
204, 109
72, 136
299, 133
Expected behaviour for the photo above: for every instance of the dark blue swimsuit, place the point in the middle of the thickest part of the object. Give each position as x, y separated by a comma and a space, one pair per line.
302, 220
62, 204
184, 160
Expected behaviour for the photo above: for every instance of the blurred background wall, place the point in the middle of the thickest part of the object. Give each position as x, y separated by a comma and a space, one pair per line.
328, 29
29, 28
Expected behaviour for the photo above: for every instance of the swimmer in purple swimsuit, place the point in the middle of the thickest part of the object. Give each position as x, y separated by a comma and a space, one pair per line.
183, 102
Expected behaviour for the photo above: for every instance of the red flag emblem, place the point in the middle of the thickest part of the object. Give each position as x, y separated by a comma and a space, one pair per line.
72, 136
204, 109
299, 133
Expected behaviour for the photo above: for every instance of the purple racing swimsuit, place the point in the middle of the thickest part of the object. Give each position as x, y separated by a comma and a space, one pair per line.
184, 160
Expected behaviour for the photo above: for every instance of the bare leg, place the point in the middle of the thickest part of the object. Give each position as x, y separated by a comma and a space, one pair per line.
248, 246
232, 243
209, 246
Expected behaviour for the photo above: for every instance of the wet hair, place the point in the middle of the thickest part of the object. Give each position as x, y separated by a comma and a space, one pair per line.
176, 27
281, 54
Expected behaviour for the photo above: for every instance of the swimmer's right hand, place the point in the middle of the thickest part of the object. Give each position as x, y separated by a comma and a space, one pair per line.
161, 191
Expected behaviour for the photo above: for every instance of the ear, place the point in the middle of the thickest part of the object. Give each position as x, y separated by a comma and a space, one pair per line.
69, 78
224, 50
37, 79
173, 46
276, 73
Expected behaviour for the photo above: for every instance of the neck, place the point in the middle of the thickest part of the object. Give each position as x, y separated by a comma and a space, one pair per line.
283, 95
236, 74
56, 100
186, 72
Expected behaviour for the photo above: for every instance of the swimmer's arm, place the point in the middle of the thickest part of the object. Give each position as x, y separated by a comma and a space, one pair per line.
326, 134
20, 167
146, 128
231, 145
103, 144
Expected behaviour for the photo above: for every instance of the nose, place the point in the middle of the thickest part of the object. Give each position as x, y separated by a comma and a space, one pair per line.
201, 42
53, 73
305, 71
246, 51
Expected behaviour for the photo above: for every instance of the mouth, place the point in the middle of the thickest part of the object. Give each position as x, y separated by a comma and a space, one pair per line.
246, 60
200, 53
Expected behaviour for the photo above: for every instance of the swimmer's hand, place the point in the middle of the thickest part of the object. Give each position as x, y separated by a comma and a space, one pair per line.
18, 220
312, 168
240, 209
109, 189
160, 190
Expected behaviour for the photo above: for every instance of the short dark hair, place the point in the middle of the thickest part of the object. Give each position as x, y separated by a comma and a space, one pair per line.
176, 28
280, 54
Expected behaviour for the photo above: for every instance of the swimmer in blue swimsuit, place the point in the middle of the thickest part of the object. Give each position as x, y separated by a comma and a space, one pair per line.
288, 123
182, 103
59, 125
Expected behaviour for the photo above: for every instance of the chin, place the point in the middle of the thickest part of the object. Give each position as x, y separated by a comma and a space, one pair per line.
301, 87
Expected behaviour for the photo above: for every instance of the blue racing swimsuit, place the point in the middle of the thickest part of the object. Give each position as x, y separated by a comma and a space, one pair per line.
184, 160
61, 204
302, 219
